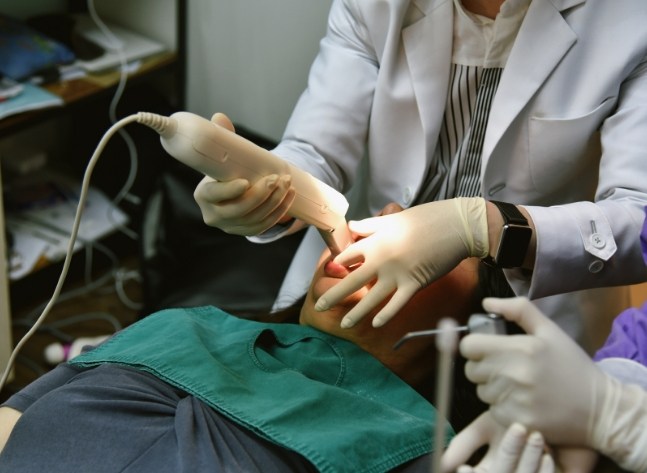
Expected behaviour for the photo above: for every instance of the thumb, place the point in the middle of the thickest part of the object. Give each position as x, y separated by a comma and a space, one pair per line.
520, 311
370, 225
222, 120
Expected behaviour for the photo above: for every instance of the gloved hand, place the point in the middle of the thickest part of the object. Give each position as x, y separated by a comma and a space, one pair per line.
546, 382
542, 380
406, 251
240, 208
509, 451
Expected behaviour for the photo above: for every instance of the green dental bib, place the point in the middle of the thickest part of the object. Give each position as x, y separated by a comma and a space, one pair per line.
300, 388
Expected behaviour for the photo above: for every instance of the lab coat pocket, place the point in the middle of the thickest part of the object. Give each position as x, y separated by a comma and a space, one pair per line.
563, 149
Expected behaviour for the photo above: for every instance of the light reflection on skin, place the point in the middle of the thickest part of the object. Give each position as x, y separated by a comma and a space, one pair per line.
450, 296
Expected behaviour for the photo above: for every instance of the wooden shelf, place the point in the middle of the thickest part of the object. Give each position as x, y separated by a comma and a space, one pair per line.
80, 90
79, 95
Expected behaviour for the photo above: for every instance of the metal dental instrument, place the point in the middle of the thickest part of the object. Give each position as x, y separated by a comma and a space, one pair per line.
477, 323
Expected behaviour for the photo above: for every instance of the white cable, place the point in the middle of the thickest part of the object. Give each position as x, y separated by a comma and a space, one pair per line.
158, 123
122, 276
70, 248
118, 47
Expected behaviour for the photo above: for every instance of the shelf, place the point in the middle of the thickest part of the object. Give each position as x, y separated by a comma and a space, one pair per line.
162, 21
80, 90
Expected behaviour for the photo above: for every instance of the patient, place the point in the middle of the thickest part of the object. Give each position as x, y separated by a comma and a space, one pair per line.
199, 390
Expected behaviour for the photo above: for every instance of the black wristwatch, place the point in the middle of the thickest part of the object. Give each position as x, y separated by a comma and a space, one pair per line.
515, 238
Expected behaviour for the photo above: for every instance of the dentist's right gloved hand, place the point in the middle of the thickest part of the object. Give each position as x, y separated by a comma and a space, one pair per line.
546, 382
404, 252
239, 208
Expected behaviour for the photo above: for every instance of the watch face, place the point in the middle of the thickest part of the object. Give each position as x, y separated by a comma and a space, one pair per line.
513, 245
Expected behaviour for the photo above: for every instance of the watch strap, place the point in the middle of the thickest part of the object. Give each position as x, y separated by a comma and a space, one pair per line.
510, 213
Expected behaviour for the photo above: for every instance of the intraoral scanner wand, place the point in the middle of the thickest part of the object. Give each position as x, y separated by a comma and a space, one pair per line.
224, 155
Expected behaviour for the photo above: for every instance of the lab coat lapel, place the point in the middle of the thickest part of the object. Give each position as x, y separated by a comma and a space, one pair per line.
428, 49
544, 38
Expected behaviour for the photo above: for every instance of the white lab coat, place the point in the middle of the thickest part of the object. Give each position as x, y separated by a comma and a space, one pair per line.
567, 134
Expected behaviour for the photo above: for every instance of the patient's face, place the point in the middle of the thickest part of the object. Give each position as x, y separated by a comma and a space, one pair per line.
450, 296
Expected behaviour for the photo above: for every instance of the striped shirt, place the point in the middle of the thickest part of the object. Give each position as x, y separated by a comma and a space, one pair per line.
481, 49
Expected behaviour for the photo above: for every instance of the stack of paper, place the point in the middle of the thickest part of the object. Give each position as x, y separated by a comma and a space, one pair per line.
41, 228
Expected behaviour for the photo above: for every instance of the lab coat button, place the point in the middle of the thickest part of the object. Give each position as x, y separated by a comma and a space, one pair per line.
596, 266
407, 195
597, 241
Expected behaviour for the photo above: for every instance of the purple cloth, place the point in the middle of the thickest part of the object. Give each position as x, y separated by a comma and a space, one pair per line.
628, 338
643, 237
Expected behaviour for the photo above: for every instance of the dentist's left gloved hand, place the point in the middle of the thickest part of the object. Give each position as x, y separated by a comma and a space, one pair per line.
546, 382
514, 450
404, 252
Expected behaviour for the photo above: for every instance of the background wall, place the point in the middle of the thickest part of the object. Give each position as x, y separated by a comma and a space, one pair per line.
250, 58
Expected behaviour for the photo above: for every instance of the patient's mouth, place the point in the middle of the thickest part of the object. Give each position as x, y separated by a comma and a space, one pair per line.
335, 270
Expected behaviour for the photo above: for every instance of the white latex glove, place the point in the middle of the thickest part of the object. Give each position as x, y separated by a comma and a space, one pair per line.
509, 451
406, 251
542, 380
240, 208
546, 382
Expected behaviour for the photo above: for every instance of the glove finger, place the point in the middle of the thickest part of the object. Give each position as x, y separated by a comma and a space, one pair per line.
506, 364
263, 196
211, 191
476, 373
466, 469
520, 311
268, 212
355, 281
466, 442
395, 304
250, 225
373, 298
510, 449
477, 346
497, 391
370, 225
547, 464
353, 254
532, 455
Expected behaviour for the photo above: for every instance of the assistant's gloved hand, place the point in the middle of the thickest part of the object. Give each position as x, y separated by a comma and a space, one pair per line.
546, 382
514, 450
406, 251
240, 208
